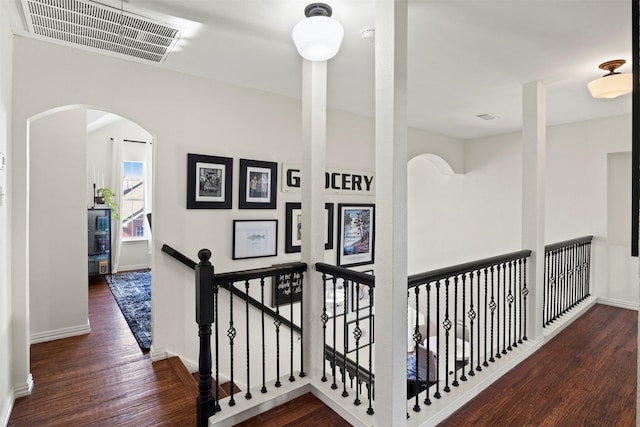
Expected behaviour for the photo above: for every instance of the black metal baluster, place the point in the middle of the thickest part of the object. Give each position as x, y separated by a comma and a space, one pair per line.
447, 326
231, 334
334, 386
492, 306
345, 335
510, 302
479, 314
370, 390
277, 322
291, 279
525, 292
246, 290
504, 309
264, 357
427, 399
302, 374
547, 291
217, 346
437, 394
588, 270
486, 298
472, 315
357, 334
455, 333
417, 340
324, 318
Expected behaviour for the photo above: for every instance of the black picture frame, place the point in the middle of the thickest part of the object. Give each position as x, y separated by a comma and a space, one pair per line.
336, 297
209, 182
285, 291
255, 238
356, 231
360, 295
293, 227
258, 187
367, 330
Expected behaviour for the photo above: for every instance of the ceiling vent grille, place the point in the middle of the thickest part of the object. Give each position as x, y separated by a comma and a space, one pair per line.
100, 27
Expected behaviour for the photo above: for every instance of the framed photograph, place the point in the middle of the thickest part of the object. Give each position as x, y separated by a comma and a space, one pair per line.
366, 325
255, 239
209, 182
258, 184
360, 295
293, 230
356, 225
335, 297
287, 289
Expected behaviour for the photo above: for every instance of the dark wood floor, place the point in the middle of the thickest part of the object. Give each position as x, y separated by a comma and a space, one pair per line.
104, 379
586, 376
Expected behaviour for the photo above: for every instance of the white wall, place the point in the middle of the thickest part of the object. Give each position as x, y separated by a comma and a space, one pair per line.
58, 226
134, 255
478, 214
185, 115
6, 54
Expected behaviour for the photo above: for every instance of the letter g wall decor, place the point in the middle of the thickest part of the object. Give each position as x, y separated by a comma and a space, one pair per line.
336, 181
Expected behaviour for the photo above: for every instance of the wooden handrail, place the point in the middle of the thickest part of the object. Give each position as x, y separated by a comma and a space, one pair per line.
226, 280
443, 273
565, 243
345, 273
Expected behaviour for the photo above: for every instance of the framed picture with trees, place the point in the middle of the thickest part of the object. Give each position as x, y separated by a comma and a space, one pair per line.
356, 230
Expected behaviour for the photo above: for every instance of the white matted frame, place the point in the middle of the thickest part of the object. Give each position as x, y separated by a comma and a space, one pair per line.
255, 238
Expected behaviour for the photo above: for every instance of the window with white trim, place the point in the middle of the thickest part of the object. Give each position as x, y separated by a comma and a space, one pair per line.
132, 210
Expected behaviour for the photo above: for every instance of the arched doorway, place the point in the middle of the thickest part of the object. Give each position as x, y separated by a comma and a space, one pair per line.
63, 166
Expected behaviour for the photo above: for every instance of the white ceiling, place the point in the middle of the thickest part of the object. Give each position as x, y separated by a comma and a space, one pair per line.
465, 57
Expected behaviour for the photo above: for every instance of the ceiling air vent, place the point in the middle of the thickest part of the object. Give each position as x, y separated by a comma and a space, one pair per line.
100, 27
487, 116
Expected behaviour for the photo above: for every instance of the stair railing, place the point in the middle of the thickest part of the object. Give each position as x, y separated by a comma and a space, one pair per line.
567, 276
207, 314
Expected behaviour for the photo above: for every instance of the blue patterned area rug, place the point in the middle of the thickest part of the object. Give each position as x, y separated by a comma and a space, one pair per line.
132, 292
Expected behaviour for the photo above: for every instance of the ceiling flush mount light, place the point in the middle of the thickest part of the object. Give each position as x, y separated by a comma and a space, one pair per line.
614, 83
318, 37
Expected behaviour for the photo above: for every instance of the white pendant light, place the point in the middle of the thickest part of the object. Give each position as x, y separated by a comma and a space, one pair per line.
613, 84
318, 37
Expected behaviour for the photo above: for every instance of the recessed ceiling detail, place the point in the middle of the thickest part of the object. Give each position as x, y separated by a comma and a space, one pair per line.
100, 27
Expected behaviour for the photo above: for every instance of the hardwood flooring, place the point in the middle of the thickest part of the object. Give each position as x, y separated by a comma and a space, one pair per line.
104, 379
585, 376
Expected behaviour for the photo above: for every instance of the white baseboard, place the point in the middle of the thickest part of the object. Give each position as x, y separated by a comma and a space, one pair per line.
619, 303
6, 409
60, 333
25, 389
158, 354
125, 268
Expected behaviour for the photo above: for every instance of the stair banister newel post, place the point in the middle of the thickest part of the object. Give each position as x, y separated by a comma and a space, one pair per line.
204, 317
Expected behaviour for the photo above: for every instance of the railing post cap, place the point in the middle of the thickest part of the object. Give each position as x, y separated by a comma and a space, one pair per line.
204, 255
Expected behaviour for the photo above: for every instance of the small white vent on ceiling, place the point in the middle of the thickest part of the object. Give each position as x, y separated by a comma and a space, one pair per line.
487, 116
100, 27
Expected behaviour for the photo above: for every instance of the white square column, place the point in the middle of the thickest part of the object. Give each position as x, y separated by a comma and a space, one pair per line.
391, 213
314, 123
534, 145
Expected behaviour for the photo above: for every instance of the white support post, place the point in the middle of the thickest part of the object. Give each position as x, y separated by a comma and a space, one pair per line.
314, 118
391, 213
533, 197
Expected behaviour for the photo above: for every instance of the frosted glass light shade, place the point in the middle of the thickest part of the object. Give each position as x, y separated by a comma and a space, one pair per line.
611, 86
318, 38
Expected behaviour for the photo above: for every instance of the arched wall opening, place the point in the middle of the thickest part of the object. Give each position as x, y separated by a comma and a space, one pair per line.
61, 157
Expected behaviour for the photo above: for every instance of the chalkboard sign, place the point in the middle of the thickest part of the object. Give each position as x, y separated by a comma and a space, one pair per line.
287, 289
